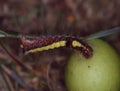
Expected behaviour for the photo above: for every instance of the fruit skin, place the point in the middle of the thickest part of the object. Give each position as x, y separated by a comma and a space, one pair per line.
101, 72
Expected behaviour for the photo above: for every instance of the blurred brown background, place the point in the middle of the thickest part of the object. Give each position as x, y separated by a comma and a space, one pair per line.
79, 18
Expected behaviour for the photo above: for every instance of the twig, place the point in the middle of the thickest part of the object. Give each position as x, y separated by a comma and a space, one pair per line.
16, 78
15, 59
9, 82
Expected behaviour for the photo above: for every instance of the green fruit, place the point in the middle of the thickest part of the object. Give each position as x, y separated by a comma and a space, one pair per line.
101, 72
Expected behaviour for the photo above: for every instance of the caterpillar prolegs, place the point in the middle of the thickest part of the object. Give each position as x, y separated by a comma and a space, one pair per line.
42, 43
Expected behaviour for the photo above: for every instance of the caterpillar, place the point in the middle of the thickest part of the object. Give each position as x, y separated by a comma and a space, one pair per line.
31, 44
42, 43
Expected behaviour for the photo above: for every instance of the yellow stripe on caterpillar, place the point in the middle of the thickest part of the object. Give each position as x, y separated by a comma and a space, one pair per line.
21, 46
76, 43
50, 46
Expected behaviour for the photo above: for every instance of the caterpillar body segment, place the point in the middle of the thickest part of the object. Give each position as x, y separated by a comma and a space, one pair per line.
42, 43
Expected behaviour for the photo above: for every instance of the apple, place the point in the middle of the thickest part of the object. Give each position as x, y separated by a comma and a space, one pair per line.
101, 72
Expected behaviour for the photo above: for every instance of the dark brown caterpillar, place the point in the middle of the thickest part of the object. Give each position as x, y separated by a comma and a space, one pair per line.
42, 43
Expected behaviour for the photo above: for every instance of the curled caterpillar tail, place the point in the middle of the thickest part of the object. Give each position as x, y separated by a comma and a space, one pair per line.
42, 43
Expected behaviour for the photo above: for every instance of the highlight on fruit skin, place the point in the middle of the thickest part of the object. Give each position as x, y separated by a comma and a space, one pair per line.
101, 72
